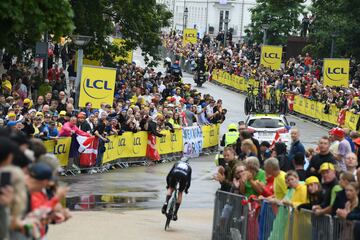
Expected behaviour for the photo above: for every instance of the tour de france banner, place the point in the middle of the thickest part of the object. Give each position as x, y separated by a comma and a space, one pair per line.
271, 56
97, 85
336, 72
189, 36
192, 141
60, 148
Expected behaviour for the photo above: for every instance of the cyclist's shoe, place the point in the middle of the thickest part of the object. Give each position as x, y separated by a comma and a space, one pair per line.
174, 217
163, 210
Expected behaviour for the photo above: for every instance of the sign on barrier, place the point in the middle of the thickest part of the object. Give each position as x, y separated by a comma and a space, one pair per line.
60, 148
192, 141
130, 145
126, 145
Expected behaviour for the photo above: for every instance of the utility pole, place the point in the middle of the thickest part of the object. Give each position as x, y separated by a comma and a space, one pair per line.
333, 36
207, 17
265, 27
45, 63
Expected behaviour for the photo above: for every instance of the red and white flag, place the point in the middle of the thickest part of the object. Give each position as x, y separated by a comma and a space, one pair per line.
341, 117
88, 149
151, 150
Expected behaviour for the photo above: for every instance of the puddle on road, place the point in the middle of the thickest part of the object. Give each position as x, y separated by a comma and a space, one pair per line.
109, 202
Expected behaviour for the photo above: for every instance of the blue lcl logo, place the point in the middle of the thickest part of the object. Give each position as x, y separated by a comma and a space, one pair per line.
336, 71
98, 84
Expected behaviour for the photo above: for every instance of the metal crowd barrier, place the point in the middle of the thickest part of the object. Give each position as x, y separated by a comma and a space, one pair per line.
229, 217
235, 219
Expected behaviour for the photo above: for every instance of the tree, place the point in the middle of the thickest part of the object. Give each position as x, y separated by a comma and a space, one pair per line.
22, 23
282, 17
140, 24
340, 18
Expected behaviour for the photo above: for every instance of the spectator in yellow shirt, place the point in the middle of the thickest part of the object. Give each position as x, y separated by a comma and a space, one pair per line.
272, 168
299, 195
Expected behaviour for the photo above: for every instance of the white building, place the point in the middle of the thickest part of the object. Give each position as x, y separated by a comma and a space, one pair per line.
211, 15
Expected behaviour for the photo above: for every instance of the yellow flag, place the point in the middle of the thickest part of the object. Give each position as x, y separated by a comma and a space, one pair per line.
189, 36
271, 56
336, 72
97, 86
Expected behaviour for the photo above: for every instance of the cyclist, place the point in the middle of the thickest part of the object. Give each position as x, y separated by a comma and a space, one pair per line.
180, 173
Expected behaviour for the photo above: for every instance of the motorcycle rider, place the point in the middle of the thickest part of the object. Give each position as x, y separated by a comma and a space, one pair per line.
176, 70
200, 67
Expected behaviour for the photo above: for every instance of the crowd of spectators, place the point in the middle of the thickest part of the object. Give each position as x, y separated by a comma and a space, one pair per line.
35, 108
300, 75
324, 179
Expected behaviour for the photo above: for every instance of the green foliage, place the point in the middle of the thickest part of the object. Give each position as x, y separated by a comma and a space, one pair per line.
140, 22
282, 16
341, 17
23, 22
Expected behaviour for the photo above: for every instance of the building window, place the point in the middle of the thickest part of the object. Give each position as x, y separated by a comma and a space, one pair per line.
223, 15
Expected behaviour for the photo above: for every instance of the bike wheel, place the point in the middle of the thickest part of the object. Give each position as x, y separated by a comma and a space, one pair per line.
169, 215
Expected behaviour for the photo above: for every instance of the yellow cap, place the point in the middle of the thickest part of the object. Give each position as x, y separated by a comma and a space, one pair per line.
326, 166
11, 114
27, 101
39, 114
62, 113
311, 179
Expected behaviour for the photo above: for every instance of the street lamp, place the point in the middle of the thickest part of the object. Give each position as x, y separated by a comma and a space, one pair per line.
80, 41
265, 27
186, 14
333, 36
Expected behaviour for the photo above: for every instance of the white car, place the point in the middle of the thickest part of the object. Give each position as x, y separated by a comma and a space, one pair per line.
265, 126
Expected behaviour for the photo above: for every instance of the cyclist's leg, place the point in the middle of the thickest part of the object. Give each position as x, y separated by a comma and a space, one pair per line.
180, 196
171, 187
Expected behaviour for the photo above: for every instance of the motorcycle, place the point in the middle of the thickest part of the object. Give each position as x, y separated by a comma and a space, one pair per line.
200, 78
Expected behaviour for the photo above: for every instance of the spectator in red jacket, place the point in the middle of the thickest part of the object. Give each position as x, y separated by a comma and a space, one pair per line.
70, 128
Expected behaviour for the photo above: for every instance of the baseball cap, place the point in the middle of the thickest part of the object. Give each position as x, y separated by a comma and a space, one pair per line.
326, 166
311, 180
11, 114
339, 132
32, 110
11, 123
62, 113
81, 115
41, 171
39, 114
26, 101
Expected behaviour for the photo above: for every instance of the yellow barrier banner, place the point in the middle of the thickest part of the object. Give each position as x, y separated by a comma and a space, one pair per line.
271, 56
126, 145
336, 72
351, 120
119, 42
170, 143
60, 148
189, 36
97, 86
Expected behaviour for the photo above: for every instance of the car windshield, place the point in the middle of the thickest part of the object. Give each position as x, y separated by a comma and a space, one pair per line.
266, 123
